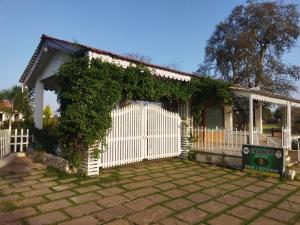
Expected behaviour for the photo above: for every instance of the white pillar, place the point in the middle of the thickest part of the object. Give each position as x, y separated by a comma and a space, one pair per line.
228, 121
38, 104
258, 118
250, 120
289, 122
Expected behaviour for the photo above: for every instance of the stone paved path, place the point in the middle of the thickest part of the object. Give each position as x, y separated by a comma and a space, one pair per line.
166, 192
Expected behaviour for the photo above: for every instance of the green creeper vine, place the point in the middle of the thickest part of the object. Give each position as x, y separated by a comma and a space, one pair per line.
89, 90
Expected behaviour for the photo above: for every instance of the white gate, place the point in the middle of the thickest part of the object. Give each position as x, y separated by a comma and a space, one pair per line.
141, 132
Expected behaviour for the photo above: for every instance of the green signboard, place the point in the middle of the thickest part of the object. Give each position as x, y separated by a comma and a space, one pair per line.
263, 159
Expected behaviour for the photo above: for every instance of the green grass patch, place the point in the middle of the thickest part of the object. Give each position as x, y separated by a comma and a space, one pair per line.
9, 206
53, 172
267, 128
114, 176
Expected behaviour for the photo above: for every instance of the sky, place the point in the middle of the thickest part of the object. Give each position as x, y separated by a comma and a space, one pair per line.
168, 31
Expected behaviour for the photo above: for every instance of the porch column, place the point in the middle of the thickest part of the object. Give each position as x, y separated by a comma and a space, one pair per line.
250, 120
228, 121
38, 104
258, 117
289, 123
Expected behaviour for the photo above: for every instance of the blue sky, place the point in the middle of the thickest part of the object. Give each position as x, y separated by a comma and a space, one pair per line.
168, 31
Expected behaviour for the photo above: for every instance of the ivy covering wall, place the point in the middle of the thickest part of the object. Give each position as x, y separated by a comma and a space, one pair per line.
88, 90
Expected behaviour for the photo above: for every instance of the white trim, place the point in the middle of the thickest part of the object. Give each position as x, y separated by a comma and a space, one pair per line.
125, 64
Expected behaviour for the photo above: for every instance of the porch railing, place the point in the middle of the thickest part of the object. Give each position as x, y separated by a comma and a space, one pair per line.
229, 142
221, 141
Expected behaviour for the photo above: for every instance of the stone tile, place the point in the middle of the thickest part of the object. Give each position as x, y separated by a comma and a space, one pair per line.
257, 203
280, 215
228, 187
110, 191
63, 181
31, 201
289, 206
269, 197
225, 219
192, 215
85, 220
85, 197
16, 190
112, 201
191, 188
25, 183
179, 204
141, 184
163, 179
64, 187
166, 186
89, 188
264, 184
182, 182
178, 175
294, 198
214, 191
38, 192
119, 222
206, 183
229, 199
83, 210
44, 185
255, 188
33, 177
139, 204
277, 191
158, 174
51, 206
196, 178
116, 212
157, 198
141, 192
242, 193
14, 197
47, 179
16, 214
287, 187
243, 212
212, 207
141, 177
48, 218
149, 216
172, 221
265, 221
174, 193
198, 197
59, 195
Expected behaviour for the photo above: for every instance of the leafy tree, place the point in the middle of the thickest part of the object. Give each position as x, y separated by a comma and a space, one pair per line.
139, 57
21, 100
247, 47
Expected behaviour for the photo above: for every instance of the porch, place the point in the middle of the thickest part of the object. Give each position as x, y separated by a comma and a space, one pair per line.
229, 139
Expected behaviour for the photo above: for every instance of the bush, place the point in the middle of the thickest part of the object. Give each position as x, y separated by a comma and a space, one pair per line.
192, 155
295, 144
46, 139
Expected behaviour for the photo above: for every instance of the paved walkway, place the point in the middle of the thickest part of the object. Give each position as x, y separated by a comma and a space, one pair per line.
166, 192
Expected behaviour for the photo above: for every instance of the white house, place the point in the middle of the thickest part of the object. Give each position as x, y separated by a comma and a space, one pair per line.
40, 74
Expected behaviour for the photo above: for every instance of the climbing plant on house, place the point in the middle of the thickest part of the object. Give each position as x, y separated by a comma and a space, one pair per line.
88, 90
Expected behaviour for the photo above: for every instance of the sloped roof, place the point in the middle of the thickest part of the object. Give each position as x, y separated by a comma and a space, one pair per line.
72, 47
5, 104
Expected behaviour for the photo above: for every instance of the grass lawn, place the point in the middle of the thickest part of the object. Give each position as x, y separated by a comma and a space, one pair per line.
267, 128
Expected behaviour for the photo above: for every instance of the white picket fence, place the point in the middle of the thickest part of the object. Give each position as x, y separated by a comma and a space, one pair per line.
4, 142
220, 141
13, 141
139, 132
